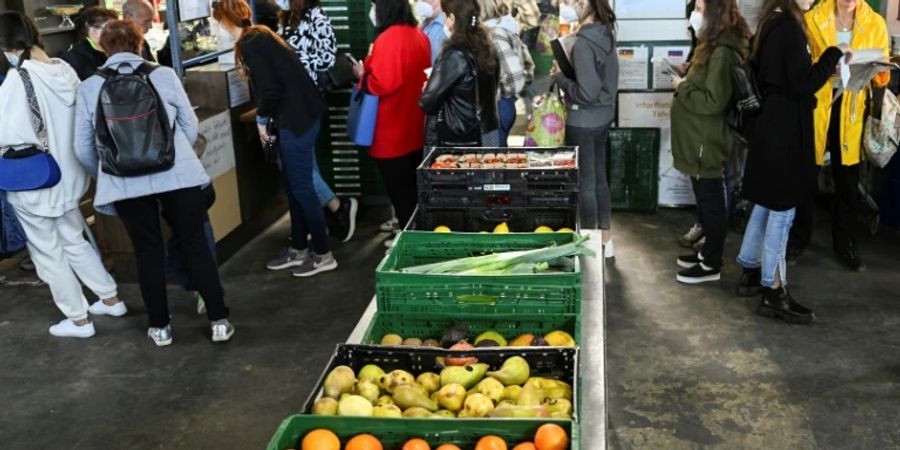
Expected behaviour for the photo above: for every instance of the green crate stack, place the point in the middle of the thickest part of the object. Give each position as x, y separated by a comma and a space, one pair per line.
633, 168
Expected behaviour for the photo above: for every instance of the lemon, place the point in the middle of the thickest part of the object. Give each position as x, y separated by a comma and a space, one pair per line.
442, 229
543, 229
565, 230
502, 228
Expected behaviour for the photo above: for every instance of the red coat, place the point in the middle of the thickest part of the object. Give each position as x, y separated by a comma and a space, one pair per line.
395, 72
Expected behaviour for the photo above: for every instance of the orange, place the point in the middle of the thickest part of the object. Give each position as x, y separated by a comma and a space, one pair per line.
448, 447
416, 444
525, 446
491, 443
320, 439
551, 437
364, 442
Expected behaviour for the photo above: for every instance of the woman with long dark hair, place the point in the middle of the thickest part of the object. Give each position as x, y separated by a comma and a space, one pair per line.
591, 104
86, 55
781, 167
461, 96
701, 140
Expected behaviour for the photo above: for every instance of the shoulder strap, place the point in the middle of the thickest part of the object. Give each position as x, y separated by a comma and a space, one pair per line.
37, 119
145, 69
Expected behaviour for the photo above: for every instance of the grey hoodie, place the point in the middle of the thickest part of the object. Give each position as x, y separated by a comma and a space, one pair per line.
591, 98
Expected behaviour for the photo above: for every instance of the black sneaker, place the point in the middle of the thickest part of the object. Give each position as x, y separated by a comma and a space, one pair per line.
688, 261
345, 219
750, 284
793, 255
850, 258
778, 304
700, 273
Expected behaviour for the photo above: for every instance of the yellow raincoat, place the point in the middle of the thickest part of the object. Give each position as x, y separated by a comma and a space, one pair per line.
869, 31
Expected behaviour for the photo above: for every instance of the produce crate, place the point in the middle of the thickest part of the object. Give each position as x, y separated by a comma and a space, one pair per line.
520, 219
431, 325
547, 293
633, 168
393, 433
547, 362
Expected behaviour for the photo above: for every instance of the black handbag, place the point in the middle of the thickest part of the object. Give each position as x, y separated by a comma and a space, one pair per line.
340, 76
446, 135
747, 102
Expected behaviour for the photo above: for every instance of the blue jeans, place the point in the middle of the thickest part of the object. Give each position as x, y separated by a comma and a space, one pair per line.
506, 108
323, 191
765, 244
298, 160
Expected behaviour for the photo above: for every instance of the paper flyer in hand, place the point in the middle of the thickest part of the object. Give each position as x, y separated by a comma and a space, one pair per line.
863, 67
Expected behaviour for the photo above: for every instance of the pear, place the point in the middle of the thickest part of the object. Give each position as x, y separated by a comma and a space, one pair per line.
512, 393
476, 405
430, 381
339, 381
325, 406
560, 406
384, 400
368, 389
490, 387
515, 371
551, 388
505, 403
421, 389
493, 336
444, 414
391, 339
467, 376
451, 397
354, 405
387, 411
371, 373
431, 343
395, 379
521, 412
417, 412
409, 397
531, 396
412, 342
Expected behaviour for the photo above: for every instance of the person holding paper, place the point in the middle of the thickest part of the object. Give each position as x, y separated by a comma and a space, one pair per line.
781, 168
701, 140
839, 123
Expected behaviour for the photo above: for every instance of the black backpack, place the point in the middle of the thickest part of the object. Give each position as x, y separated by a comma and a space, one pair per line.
133, 132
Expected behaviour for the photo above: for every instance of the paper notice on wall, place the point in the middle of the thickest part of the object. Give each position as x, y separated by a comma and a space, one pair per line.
633, 68
238, 90
653, 110
750, 9
218, 157
663, 58
650, 9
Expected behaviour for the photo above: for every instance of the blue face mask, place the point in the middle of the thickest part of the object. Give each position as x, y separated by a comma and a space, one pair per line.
13, 59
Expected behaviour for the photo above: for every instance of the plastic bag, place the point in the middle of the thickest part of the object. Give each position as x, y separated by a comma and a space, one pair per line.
547, 124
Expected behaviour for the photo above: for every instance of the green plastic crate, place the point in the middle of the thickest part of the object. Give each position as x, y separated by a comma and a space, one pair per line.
633, 168
431, 325
397, 292
393, 433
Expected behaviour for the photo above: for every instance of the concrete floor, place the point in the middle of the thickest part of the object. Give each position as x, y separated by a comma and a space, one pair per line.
693, 367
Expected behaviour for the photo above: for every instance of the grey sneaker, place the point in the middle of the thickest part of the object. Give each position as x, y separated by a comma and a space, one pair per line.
222, 330
290, 258
687, 240
161, 336
316, 264
390, 225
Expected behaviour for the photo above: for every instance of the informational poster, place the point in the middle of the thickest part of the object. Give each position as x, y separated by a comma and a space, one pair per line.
238, 90
750, 9
218, 157
662, 58
650, 9
652, 110
192, 9
633, 68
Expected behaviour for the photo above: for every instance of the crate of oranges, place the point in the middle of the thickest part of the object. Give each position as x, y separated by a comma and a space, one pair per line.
303, 432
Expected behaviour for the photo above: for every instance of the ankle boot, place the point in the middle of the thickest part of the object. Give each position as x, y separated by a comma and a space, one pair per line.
750, 283
778, 304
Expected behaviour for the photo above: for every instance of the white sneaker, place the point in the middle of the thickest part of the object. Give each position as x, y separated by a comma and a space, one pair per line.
609, 250
102, 309
67, 328
390, 225
389, 244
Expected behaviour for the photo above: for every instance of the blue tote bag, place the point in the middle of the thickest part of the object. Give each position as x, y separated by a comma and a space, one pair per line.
362, 116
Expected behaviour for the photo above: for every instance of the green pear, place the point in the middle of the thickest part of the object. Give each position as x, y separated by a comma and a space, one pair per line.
505, 403
490, 387
421, 389
367, 389
430, 381
417, 412
515, 371
467, 376
552, 388
521, 412
325, 406
384, 400
339, 381
370, 372
408, 397
444, 414
451, 397
560, 406
512, 393
531, 396
395, 379
354, 405
476, 405
387, 411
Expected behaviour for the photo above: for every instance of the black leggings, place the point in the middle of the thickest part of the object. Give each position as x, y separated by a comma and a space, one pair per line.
399, 176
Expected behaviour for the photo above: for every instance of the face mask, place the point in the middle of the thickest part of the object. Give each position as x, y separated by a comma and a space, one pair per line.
372, 16
448, 31
12, 58
804, 5
424, 10
283, 4
696, 21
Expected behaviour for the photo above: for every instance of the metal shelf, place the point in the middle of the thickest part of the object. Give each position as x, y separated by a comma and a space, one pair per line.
56, 30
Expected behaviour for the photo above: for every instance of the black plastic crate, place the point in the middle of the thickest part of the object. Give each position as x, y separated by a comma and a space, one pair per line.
520, 219
499, 199
633, 168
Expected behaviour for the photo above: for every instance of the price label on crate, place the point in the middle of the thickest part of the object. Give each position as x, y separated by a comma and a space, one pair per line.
496, 188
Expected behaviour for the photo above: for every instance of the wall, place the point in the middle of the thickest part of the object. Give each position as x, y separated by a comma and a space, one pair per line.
893, 23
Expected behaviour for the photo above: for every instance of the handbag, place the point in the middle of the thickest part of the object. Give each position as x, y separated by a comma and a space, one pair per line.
446, 135
881, 136
339, 77
547, 124
362, 116
31, 167
747, 102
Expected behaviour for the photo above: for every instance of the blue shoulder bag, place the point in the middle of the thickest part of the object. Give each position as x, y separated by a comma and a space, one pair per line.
362, 116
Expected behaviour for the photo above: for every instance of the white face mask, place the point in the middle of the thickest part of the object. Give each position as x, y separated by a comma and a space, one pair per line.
696, 21
372, 16
12, 58
804, 5
448, 31
424, 10
284, 5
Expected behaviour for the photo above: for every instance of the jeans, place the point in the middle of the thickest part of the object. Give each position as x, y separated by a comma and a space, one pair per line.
184, 211
506, 108
399, 175
710, 194
307, 217
594, 204
765, 244
323, 191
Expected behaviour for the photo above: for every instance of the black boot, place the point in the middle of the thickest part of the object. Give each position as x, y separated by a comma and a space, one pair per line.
778, 304
750, 284
849, 257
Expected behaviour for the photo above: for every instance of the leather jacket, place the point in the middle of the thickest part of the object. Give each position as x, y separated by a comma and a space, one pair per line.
451, 88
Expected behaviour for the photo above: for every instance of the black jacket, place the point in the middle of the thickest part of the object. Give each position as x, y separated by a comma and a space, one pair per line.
451, 87
283, 88
84, 58
781, 166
